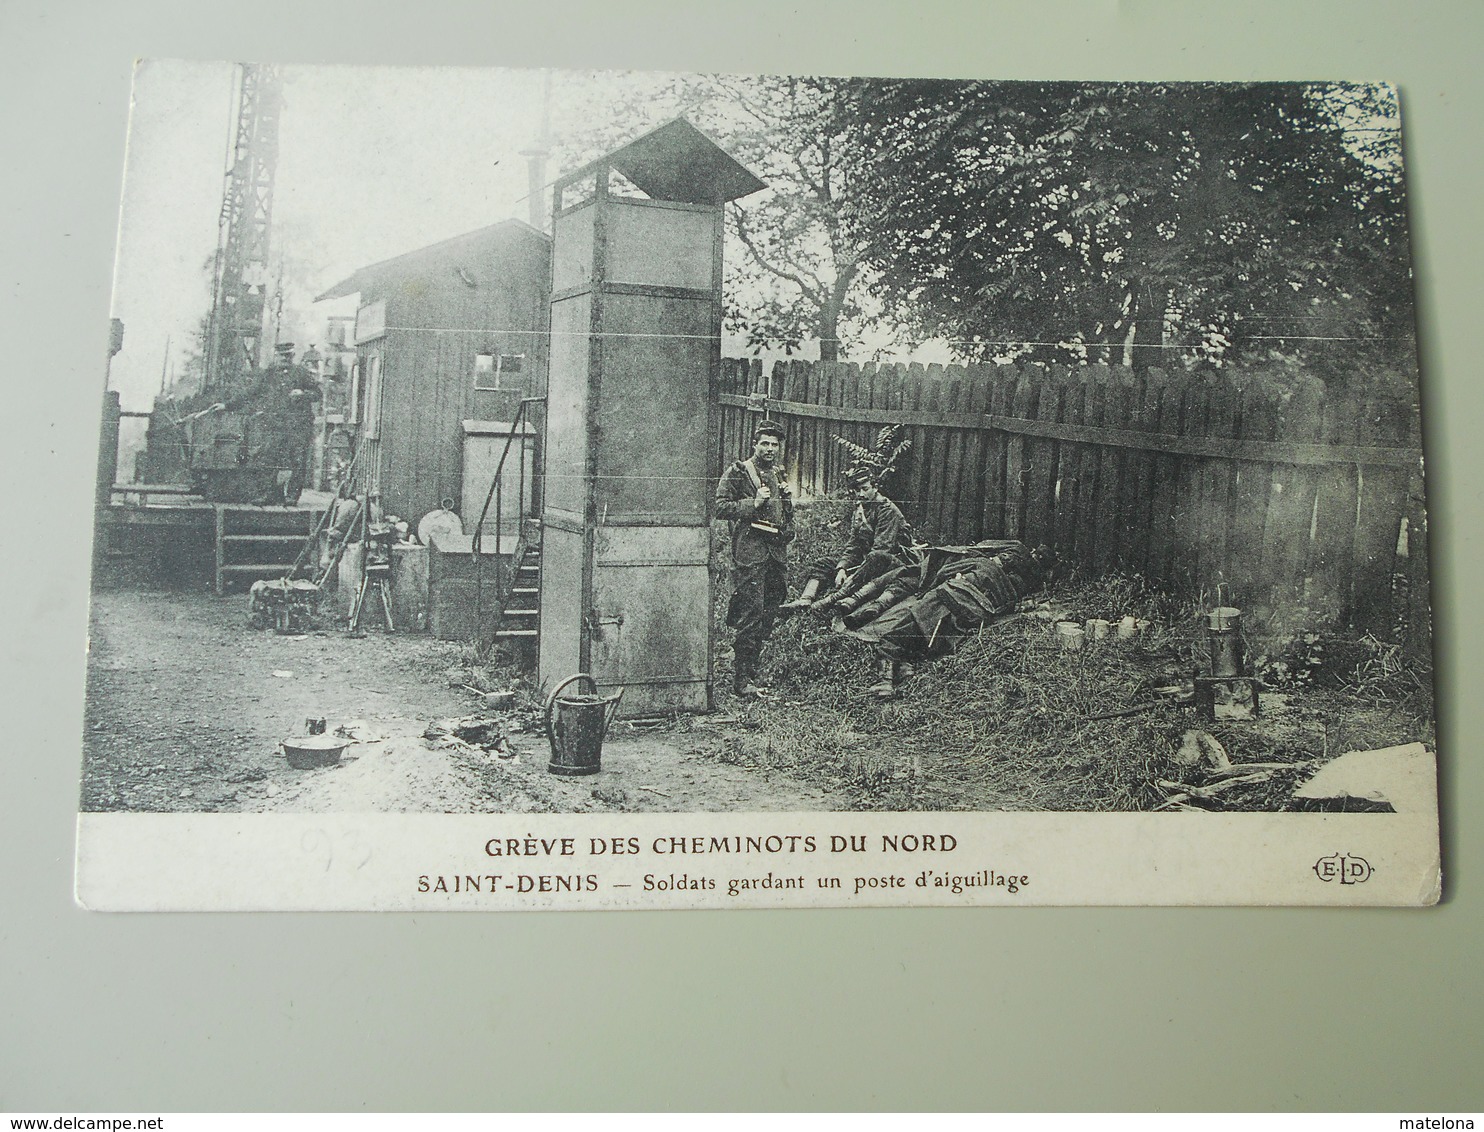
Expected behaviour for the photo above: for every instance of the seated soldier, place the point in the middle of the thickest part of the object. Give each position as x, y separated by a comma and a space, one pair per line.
880, 542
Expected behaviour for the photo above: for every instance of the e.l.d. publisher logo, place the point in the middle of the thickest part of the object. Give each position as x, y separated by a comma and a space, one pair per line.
1343, 867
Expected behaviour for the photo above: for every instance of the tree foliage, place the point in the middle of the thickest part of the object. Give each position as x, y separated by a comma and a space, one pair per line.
1134, 223
794, 269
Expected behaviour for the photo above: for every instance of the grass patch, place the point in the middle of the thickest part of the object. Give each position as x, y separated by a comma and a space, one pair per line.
1007, 722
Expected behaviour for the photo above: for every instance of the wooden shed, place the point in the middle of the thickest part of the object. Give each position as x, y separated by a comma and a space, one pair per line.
448, 339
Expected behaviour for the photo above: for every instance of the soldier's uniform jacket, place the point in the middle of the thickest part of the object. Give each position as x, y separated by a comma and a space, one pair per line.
736, 501
876, 525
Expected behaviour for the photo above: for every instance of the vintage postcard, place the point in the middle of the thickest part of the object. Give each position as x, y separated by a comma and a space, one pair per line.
531, 489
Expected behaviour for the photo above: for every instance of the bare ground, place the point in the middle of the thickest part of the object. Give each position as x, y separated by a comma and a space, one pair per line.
186, 707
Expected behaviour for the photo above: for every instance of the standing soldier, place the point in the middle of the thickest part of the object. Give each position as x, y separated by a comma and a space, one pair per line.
756, 501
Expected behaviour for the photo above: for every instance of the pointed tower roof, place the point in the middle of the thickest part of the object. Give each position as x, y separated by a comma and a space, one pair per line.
677, 162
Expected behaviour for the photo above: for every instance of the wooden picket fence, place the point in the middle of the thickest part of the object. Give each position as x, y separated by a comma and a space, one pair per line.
1238, 485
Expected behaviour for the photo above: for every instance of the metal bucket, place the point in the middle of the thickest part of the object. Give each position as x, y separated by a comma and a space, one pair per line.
575, 725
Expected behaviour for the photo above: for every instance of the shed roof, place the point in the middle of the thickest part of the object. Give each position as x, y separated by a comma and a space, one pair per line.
677, 162
448, 251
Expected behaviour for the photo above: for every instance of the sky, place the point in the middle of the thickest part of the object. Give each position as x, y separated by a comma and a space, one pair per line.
373, 162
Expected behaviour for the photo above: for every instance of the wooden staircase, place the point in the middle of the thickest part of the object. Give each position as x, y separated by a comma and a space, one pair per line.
521, 615
518, 614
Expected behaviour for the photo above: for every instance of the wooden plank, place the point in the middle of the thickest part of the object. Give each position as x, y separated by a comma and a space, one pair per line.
839, 398
814, 429
883, 382
1001, 400
1217, 480
1069, 470
1286, 530
1026, 405
1380, 508
861, 392
729, 413
1185, 554
883, 392
747, 381
1329, 589
1145, 418
825, 429
1090, 488
1133, 518
967, 508
1108, 516
799, 464
831, 373
935, 460
975, 487
757, 382
1311, 454
833, 451
1251, 486
1042, 460
754, 380
1093, 507
913, 394
850, 399
1164, 476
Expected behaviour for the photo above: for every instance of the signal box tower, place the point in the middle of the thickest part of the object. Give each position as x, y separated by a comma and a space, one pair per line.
632, 418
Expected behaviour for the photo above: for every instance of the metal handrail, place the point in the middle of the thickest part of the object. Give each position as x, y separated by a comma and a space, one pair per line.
496, 495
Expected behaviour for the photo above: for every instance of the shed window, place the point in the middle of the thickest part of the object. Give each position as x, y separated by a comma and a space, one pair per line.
490, 370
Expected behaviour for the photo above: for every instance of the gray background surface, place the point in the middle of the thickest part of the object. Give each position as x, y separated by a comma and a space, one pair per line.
953, 1009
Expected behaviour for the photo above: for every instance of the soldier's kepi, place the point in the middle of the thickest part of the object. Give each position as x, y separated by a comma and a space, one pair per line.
754, 499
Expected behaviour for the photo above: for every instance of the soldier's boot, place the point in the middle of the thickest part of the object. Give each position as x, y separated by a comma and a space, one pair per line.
744, 684
871, 610
803, 601
886, 685
847, 601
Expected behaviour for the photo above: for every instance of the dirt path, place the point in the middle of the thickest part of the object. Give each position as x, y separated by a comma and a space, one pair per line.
186, 707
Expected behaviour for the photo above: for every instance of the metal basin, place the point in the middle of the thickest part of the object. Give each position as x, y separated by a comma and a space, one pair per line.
305, 752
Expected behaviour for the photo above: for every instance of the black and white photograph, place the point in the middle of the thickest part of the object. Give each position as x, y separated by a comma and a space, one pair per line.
765, 470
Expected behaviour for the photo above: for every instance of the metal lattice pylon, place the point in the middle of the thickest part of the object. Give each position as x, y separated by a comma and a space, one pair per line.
241, 286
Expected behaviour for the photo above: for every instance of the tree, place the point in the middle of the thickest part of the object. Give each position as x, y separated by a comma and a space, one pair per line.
795, 272
1134, 223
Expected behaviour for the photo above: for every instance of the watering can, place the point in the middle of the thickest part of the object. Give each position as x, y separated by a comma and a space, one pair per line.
575, 725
